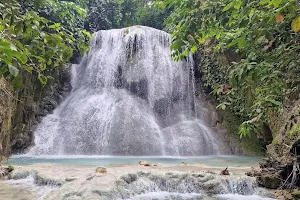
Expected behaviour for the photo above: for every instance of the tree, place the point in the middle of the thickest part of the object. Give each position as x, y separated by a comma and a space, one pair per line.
265, 36
38, 41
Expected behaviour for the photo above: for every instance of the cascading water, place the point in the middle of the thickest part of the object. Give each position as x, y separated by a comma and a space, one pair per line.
128, 98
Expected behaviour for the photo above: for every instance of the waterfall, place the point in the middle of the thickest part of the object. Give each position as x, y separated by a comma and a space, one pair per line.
128, 98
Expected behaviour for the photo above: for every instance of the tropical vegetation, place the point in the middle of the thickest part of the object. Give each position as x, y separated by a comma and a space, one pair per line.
252, 47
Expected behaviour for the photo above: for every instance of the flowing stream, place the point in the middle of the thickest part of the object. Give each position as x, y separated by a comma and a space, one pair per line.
129, 98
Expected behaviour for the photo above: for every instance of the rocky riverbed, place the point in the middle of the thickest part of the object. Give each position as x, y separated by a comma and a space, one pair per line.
162, 181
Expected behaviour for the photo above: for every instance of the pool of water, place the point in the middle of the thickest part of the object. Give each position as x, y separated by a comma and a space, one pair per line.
215, 161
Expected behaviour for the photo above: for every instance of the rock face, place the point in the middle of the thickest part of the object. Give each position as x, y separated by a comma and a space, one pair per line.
5, 171
270, 181
22, 109
284, 159
7, 108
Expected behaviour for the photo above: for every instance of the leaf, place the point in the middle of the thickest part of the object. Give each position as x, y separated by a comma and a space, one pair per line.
228, 6
276, 3
28, 68
194, 49
43, 66
13, 47
232, 43
13, 70
42, 79
17, 82
296, 24
274, 102
238, 4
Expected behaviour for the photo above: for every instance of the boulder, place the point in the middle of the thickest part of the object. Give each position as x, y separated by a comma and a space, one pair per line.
268, 180
101, 170
225, 172
4, 171
144, 163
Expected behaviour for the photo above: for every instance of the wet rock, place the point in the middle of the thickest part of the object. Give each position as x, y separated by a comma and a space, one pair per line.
161, 106
4, 171
225, 172
184, 164
129, 178
270, 181
20, 174
89, 178
144, 163
43, 180
253, 173
35, 102
70, 179
101, 170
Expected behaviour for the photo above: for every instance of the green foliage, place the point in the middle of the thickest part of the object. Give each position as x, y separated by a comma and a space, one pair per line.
110, 14
33, 44
265, 36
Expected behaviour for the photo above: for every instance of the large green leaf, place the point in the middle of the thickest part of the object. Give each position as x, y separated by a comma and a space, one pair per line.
13, 70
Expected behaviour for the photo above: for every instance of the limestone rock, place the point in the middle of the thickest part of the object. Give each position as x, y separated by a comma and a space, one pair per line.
20, 174
101, 170
4, 171
270, 181
225, 172
144, 163
70, 179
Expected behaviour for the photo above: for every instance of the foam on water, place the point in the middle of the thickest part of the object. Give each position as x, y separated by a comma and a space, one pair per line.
166, 195
241, 197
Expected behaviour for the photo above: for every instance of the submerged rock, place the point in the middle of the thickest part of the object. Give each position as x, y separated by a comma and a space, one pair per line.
20, 174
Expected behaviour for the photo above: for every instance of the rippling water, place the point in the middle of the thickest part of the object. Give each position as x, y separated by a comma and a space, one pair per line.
216, 161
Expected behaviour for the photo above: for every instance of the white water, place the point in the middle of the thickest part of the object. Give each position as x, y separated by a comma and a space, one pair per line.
128, 98
28, 184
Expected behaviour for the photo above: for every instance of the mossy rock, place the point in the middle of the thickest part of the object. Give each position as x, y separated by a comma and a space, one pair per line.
296, 194
270, 181
288, 135
248, 145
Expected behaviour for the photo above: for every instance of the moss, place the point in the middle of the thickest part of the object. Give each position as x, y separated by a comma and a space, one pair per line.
275, 141
295, 131
249, 145
126, 32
